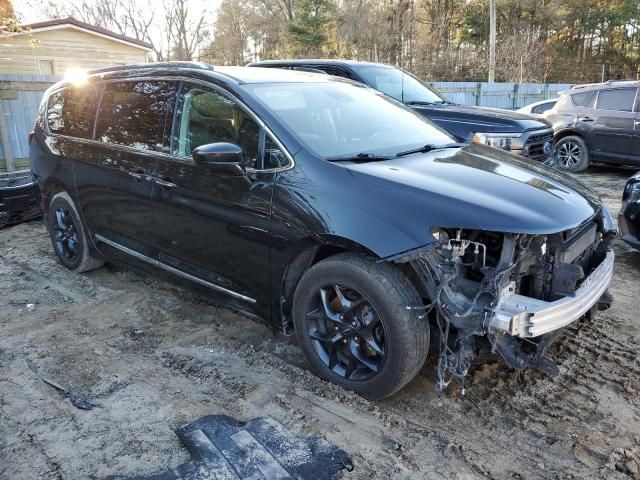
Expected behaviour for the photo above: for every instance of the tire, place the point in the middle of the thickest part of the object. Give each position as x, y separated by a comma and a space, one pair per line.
395, 345
68, 237
571, 154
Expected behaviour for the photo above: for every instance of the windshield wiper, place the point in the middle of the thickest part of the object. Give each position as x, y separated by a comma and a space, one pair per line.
359, 157
419, 102
429, 148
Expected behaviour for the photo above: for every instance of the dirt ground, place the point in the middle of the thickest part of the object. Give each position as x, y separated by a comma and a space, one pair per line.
158, 355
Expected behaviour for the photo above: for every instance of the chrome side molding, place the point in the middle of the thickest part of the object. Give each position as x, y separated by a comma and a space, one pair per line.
173, 270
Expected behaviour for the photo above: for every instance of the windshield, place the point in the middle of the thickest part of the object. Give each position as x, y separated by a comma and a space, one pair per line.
337, 119
398, 84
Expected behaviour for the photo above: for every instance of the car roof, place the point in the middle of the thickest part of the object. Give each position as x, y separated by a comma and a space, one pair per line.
601, 85
318, 61
240, 75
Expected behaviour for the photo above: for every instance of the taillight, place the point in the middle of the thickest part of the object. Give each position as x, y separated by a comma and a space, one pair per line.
30, 136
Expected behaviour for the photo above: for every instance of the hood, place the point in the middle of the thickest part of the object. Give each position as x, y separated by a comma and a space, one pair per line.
479, 187
466, 120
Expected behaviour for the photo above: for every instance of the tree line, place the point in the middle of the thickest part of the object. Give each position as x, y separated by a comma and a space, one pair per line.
448, 40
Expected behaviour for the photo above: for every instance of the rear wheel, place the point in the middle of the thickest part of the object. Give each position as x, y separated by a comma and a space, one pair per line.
572, 154
352, 322
67, 235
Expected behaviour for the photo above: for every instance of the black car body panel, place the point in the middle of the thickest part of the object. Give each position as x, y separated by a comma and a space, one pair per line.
486, 190
251, 229
629, 216
612, 136
532, 137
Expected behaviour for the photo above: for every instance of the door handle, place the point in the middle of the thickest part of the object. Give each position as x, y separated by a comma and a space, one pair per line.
636, 123
163, 183
585, 119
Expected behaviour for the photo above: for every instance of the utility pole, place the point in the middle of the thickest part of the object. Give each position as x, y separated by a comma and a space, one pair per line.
492, 41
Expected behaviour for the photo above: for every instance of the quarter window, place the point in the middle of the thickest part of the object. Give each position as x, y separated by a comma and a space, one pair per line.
620, 99
543, 107
135, 113
54, 112
71, 111
584, 99
273, 156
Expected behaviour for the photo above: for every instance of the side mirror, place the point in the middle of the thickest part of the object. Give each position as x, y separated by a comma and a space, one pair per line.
221, 157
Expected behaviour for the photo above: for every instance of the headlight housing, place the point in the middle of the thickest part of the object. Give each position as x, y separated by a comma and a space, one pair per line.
497, 140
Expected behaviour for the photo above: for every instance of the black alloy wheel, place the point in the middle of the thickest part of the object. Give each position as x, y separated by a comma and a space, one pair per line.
347, 332
354, 323
66, 235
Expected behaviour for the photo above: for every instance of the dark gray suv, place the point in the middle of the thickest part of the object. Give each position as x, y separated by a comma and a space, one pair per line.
598, 122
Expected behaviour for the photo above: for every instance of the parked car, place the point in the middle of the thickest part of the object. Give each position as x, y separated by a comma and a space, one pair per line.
538, 108
520, 134
598, 122
18, 198
629, 216
269, 187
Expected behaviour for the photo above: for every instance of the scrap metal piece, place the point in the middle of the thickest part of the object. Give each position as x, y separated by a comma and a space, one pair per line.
77, 399
223, 448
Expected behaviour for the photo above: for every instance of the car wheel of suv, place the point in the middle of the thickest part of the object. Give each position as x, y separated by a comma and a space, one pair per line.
572, 154
68, 236
352, 322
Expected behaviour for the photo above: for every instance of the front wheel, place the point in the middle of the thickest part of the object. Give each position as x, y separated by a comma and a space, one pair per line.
353, 324
572, 154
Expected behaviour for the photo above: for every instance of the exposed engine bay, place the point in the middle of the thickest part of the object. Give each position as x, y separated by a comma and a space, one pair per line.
509, 294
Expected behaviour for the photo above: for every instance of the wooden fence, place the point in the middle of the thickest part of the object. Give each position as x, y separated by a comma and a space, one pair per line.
20, 97
19, 100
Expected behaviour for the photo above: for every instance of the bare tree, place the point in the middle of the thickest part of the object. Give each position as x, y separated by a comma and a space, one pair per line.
520, 56
185, 30
231, 35
125, 17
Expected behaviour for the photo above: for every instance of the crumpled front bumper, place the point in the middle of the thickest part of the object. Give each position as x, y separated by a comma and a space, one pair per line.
528, 317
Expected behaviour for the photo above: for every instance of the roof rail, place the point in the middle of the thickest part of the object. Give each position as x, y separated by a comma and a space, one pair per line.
608, 82
585, 85
144, 66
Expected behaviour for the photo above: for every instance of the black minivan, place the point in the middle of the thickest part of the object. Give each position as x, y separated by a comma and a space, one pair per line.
328, 209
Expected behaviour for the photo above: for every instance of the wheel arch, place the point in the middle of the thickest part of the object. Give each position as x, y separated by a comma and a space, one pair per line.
568, 132
317, 249
49, 189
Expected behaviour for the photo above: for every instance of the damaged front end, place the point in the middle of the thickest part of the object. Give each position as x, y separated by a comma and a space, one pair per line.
511, 294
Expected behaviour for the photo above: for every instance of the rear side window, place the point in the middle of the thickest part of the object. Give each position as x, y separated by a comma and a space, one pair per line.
543, 107
620, 99
71, 111
584, 99
135, 113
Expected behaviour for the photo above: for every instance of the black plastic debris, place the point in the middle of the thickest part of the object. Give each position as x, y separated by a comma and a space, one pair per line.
77, 399
223, 448
18, 198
